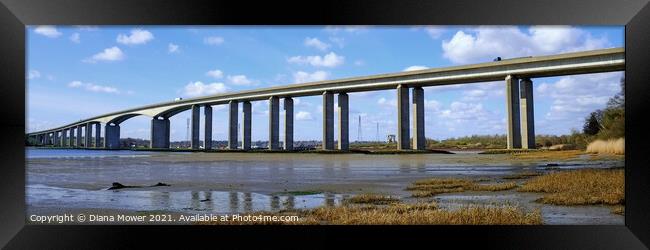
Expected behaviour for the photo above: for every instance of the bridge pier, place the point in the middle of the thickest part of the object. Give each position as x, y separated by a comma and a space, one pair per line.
196, 119
232, 125
159, 132
527, 114
89, 135
56, 142
207, 133
288, 123
274, 123
71, 141
246, 126
98, 132
512, 109
403, 135
112, 136
344, 125
328, 120
419, 140
64, 137
78, 143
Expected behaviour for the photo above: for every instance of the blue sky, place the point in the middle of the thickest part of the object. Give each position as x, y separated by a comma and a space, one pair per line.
75, 72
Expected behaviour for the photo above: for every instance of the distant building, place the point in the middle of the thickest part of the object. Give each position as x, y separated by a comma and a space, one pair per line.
390, 138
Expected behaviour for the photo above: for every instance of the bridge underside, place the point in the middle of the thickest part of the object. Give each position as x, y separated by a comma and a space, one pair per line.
410, 123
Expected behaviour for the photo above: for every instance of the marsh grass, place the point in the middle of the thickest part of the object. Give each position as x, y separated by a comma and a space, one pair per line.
372, 199
619, 209
408, 214
431, 187
612, 146
579, 187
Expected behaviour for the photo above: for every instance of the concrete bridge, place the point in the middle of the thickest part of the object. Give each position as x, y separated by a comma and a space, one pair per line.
517, 75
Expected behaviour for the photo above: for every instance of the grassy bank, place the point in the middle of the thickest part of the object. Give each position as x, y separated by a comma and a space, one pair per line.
407, 214
434, 186
579, 187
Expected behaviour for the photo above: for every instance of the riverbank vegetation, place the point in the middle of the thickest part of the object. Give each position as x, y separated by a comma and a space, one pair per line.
434, 186
579, 187
406, 214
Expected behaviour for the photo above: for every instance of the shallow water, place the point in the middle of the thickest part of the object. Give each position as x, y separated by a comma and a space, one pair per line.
59, 179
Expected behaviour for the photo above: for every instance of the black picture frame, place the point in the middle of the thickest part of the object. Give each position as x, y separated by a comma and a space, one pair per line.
15, 14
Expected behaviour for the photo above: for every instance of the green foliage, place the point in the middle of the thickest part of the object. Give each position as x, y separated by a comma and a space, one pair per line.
610, 122
592, 126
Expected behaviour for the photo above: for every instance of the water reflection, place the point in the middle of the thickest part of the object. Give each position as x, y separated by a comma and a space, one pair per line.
199, 201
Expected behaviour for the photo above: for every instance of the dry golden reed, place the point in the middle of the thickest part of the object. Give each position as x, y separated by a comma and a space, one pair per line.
377, 199
434, 186
409, 214
579, 187
611, 146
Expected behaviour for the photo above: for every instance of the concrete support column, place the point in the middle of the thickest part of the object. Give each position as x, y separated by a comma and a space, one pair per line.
64, 138
207, 132
328, 120
79, 138
344, 123
274, 123
527, 114
159, 132
232, 125
98, 132
89, 135
71, 140
288, 123
112, 136
57, 141
512, 109
403, 135
419, 141
196, 119
246, 126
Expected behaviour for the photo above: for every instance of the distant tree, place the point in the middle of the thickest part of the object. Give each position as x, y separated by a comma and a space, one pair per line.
592, 126
618, 101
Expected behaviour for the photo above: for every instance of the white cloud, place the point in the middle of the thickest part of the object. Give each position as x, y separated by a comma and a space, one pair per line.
415, 67
240, 80
172, 48
387, 103
485, 43
303, 116
435, 31
198, 88
574, 97
109, 54
75, 38
329, 60
138, 36
213, 40
315, 43
302, 76
33, 74
359, 63
216, 74
48, 31
93, 87
338, 41
432, 105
